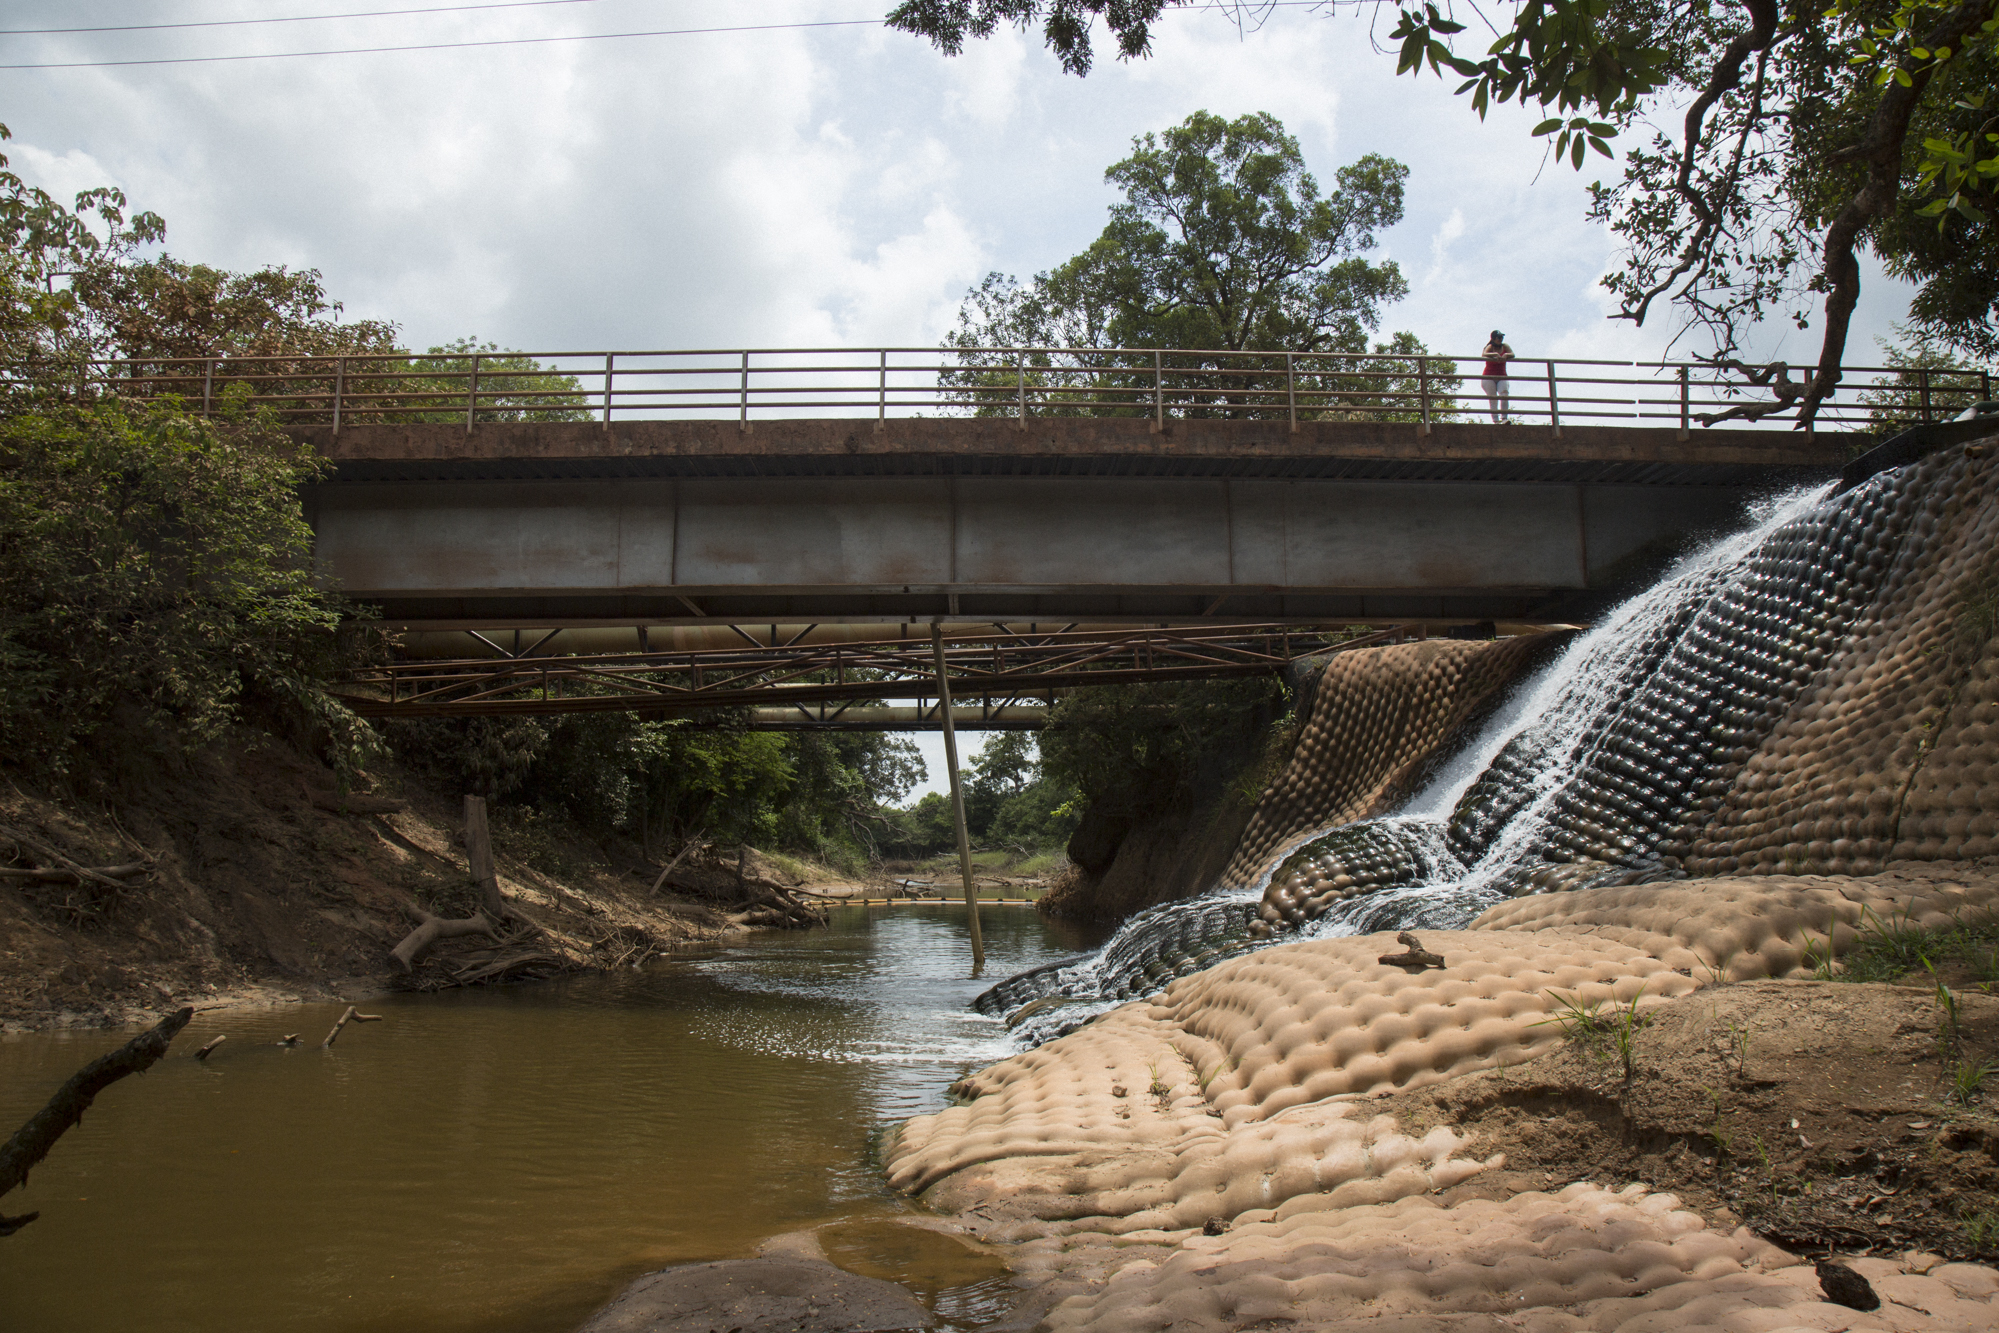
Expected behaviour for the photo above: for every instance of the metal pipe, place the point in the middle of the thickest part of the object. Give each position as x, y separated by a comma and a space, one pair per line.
472, 394
743, 422
957, 800
207, 385
1683, 402
1554, 402
339, 387
610, 368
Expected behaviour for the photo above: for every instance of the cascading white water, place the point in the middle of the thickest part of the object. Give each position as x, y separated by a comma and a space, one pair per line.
1562, 701
1576, 778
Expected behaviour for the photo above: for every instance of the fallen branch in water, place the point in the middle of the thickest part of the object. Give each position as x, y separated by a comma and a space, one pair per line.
351, 1016
493, 969
31, 1143
209, 1049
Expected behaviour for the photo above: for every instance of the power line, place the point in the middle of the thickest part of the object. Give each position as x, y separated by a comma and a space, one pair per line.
296, 18
445, 46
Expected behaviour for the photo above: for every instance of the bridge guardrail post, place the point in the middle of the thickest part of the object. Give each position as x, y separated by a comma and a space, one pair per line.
881, 396
207, 386
472, 394
1923, 386
1423, 394
1554, 403
610, 368
1158, 392
743, 420
1291, 388
1683, 402
339, 389
1020, 384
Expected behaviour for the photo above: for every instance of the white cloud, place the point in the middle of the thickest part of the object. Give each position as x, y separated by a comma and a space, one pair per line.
841, 184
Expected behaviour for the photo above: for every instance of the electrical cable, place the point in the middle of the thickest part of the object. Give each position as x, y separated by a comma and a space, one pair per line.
458, 46
295, 18
443, 46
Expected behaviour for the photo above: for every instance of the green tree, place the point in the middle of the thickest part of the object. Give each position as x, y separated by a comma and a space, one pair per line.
155, 580
1806, 134
1225, 243
1929, 382
512, 387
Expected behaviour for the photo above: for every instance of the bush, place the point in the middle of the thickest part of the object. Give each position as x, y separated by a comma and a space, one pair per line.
155, 577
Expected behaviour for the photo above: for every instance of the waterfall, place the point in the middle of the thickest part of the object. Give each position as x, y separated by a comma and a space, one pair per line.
1577, 781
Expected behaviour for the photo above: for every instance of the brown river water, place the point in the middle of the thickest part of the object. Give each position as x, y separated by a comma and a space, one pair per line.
506, 1160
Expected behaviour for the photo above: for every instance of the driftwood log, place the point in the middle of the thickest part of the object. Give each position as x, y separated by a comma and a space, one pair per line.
63, 870
430, 929
31, 1143
351, 1016
209, 1049
678, 856
1416, 959
494, 909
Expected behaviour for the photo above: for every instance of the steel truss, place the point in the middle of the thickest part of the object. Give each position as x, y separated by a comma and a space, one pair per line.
1002, 668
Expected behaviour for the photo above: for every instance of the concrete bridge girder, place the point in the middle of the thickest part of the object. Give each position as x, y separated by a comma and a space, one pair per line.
1044, 547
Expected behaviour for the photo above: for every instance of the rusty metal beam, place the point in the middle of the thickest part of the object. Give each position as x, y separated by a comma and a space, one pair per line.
1002, 665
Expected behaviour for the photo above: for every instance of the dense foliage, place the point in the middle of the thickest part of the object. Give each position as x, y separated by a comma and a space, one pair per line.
1223, 242
1803, 133
155, 578
824, 794
1130, 749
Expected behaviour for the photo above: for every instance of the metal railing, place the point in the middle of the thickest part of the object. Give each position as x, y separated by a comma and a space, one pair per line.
748, 385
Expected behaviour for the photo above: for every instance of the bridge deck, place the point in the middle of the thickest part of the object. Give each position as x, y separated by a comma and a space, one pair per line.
1056, 519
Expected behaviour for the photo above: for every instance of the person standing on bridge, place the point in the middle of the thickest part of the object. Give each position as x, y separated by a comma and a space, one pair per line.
1496, 355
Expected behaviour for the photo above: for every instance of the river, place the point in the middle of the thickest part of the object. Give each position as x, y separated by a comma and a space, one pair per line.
505, 1160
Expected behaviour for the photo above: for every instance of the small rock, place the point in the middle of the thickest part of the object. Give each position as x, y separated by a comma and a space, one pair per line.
1843, 1286
1215, 1226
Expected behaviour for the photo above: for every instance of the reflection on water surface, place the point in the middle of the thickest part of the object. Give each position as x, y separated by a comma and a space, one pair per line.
504, 1160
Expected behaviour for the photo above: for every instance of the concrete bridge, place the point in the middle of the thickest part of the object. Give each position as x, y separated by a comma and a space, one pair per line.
659, 522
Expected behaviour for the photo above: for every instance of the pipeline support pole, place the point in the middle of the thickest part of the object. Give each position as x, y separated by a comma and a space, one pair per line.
957, 800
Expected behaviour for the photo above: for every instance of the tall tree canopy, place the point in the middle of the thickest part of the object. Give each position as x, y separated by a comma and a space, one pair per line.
1223, 240
1223, 243
1798, 134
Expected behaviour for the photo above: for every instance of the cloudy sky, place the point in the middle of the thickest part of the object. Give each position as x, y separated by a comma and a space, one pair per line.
829, 185
810, 185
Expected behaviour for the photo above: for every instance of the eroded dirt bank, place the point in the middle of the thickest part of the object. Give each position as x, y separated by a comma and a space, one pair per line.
263, 884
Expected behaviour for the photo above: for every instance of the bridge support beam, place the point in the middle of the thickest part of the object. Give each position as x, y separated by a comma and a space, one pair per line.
1043, 548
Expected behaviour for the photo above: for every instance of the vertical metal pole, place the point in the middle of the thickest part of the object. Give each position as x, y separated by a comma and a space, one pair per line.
881, 393
1923, 379
207, 386
1423, 393
1158, 390
1020, 371
339, 389
472, 394
1554, 403
743, 422
610, 369
1291, 388
957, 800
1683, 403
